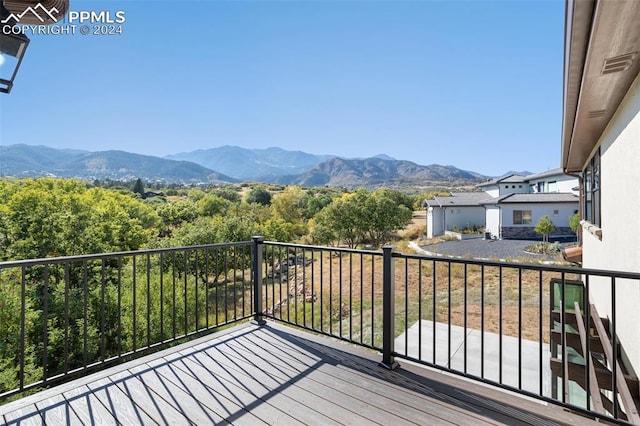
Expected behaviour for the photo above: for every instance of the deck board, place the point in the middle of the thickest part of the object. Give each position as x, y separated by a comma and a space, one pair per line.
275, 375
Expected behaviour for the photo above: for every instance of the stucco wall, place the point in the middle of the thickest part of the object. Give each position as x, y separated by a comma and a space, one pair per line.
564, 183
565, 210
493, 221
434, 222
619, 248
441, 219
463, 217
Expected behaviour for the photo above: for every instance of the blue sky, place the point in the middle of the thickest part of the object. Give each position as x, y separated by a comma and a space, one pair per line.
474, 84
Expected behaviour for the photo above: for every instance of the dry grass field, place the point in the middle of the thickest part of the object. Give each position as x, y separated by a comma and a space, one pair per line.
342, 294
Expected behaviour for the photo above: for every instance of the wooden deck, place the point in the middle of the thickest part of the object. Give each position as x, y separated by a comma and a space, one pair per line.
275, 375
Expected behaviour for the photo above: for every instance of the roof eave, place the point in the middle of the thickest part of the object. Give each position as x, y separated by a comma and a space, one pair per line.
595, 33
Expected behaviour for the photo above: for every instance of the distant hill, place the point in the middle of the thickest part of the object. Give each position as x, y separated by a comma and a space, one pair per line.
34, 161
253, 164
230, 164
20, 159
511, 172
376, 172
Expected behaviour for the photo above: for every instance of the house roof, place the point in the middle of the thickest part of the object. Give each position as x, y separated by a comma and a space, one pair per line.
536, 198
459, 199
602, 59
548, 173
506, 179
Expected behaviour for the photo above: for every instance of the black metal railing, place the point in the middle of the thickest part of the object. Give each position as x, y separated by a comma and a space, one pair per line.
65, 316
497, 322
546, 331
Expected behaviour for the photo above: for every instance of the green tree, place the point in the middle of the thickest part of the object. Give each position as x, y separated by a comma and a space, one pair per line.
574, 223
361, 217
228, 194
545, 227
259, 195
61, 217
138, 188
212, 205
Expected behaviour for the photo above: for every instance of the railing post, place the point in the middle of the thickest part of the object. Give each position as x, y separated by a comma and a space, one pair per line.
257, 280
388, 308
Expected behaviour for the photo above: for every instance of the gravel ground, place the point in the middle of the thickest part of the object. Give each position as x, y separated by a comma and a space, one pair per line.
486, 249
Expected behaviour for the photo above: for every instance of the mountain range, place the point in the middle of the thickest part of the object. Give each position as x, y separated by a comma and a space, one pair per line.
227, 164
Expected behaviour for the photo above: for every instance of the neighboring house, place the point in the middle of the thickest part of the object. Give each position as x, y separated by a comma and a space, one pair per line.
515, 216
553, 181
510, 206
459, 210
506, 185
601, 143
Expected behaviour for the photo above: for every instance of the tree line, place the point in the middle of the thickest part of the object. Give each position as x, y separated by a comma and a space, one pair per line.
105, 307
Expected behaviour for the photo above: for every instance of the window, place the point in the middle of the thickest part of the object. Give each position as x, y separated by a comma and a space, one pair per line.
522, 217
556, 212
553, 186
591, 190
513, 186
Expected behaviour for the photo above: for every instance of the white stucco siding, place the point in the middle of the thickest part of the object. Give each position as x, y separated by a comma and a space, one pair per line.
492, 215
464, 217
556, 183
492, 191
434, 222
619, 248
567, 184
561, 218
508, 189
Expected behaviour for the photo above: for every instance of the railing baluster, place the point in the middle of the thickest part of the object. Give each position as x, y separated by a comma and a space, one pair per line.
465, 320
45, 325
148, 260
373, 304
406, 307
519, 328
614, 344
434, 314
85, 303
102, 313
304, 288
331, 293
257, 279
350, 296
66, 318
361, 296
420, 309
161, 260
119, 307
388, 307
133, 308
23, 321
195, 289
340, 297
449, 314
500, 326
587, 358
563, 342
540, 336
482, 321
174, 296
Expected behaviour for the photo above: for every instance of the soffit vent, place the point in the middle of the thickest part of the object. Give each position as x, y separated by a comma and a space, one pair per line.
618, 63
596, 114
